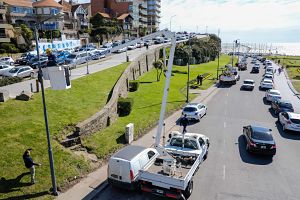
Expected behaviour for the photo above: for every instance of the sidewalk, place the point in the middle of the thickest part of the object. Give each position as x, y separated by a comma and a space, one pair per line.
95, 182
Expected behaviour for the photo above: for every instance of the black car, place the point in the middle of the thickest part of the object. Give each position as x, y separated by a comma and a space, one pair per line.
259, 140
282, 106
255, 70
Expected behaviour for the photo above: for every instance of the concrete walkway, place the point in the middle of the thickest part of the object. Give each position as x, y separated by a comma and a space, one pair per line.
96, 181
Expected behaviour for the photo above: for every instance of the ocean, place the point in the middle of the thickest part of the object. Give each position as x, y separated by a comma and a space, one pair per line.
292, 49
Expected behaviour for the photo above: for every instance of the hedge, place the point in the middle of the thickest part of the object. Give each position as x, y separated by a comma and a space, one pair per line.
134, 86
124, 106
9, 80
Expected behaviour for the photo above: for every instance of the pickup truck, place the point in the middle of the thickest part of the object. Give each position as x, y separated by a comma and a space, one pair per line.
230, 76
171, 175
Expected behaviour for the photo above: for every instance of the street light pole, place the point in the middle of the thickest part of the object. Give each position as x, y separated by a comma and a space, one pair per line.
188, 80
232, 53
218, 57
87, 58
40, 79
171, 21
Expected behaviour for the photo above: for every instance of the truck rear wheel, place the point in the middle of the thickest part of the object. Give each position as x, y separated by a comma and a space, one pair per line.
189, 189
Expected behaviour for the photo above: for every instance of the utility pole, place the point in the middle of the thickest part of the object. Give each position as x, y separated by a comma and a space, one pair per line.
232, 52
218, 58
188, 80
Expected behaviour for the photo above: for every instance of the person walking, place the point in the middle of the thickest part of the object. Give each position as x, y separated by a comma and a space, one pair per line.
201, 79
198, 79
184, 121
29, 164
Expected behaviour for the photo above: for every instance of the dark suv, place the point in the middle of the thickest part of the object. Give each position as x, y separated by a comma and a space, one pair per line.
282, 106
255, 70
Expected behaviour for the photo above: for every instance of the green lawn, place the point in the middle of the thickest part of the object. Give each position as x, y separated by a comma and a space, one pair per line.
146, 107
296, 85
293, 72
22, 126
286, 60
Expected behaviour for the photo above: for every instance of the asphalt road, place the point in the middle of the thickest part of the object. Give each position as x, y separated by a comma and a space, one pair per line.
230, 172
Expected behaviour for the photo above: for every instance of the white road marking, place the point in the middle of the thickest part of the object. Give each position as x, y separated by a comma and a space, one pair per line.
227, 93
224, 124
224, 172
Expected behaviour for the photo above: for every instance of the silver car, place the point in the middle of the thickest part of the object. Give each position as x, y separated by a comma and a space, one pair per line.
20, 71
4, 68
194, 111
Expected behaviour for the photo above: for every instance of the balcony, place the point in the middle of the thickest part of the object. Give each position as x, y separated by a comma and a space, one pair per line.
2, 9
143, 6
143, 13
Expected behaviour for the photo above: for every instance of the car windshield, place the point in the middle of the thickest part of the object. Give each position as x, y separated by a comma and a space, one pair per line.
248, 82
274, 93
286, 105
262, 136
191, 144
189, 109
14, 70
295, 121
72, 56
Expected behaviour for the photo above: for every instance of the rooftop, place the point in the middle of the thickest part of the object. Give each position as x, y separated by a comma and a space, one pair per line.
46, 3
21, 3
129, 152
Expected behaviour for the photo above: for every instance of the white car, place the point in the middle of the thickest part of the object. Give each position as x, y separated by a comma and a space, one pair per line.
248, 84
272, 95
4, 68
20, 71
268, 76
7, 60
194, 111
289, 121
121, 50
131, 47
269, 69
257, 65
266, 84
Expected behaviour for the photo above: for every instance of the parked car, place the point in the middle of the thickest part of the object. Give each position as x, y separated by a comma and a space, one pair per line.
4, 68
289, 121
166, 40
107, 45
96, 55
7, 60
282, 106
194, 111
20, 71
77, 58
140, 44
25, 57
272, 95
248, 84
269, 69
266, 84
124, 166
132, 46
148, 42
158, 40
105, 50
121, 50
268, 76
259, 140
34, 63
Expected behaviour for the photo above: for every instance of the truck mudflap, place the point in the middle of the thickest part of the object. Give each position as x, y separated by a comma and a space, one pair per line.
171, 193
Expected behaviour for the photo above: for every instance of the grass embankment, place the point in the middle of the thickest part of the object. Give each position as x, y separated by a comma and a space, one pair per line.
292, 64
22, 126
147, 104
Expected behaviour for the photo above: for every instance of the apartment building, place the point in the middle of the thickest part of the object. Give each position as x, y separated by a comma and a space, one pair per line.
6, 29
153, 11
137, 9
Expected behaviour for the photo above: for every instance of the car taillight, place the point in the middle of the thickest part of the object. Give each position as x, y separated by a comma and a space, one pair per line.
273, 146
252, 144
131, 175
171, 195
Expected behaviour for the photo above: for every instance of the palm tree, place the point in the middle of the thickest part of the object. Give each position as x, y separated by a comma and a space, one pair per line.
158, 65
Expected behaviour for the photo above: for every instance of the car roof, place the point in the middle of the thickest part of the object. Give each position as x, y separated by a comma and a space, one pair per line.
267, 80
18, 67
260, 129
294, 115
272, 90
249, 80
129, 152
284, 101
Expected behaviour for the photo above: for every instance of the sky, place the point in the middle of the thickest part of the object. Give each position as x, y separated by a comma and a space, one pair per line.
247, 20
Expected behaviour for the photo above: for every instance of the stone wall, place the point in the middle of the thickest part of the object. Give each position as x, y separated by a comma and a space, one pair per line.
109, 114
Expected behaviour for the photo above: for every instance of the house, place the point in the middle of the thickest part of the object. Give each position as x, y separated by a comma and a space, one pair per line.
125, 21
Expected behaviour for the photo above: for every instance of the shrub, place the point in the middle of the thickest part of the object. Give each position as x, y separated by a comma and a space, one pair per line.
125, 106
2, 51
9, 80
134, 86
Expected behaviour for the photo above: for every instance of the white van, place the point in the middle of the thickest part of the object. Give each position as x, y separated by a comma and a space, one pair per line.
123, 166
76, 59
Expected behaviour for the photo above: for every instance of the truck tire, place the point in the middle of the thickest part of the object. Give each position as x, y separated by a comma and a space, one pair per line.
189, 189
205, 156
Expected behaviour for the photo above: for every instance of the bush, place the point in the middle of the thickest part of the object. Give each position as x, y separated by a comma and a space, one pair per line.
125, 106
9, 48
2, 51
9, 80
134, 86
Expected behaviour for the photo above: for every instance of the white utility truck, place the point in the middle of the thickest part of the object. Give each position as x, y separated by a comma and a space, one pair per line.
229, 76
169, 171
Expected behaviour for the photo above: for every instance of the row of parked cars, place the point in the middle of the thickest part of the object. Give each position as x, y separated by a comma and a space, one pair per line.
260, 139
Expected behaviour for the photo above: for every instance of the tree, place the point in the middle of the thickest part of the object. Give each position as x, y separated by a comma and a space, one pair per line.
158, 65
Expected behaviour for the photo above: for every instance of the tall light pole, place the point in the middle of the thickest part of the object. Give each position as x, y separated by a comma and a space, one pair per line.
171, 21
40, 79
188, 80
206, 30
218, 57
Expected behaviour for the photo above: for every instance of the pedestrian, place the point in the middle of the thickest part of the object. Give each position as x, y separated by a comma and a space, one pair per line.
29, 164
274, 71
147, 46
279, 71
184, 121
201, 79
198, 79
51, 58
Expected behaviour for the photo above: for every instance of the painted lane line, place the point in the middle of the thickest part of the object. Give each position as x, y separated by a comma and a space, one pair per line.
224, 124
224, 172
227, 93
